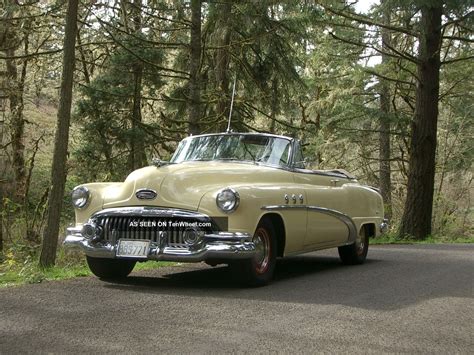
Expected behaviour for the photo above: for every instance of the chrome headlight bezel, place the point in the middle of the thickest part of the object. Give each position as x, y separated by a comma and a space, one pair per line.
227, 200
80, 197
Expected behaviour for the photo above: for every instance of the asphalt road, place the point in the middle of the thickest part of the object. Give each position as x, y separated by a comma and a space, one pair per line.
405, 299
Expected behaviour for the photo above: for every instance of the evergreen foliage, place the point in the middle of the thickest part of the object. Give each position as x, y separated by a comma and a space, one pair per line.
310, 69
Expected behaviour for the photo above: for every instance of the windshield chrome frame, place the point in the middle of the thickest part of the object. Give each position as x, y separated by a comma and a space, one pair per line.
288, 166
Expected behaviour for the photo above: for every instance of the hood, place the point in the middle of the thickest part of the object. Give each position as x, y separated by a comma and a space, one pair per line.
183, 185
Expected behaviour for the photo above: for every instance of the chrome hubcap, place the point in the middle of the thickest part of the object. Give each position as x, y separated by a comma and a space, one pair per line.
360, 243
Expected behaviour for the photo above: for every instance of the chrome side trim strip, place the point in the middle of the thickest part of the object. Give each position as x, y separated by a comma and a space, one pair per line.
351, 227
284, 207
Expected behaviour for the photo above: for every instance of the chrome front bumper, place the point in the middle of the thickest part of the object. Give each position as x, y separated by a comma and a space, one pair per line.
221, 245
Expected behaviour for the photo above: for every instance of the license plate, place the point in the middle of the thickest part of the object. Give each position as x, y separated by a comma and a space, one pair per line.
133, 248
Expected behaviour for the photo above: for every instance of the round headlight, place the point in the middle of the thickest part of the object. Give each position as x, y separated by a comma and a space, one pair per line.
80, 196
228, 200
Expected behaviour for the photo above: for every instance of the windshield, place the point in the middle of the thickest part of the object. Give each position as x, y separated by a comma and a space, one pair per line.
239, 147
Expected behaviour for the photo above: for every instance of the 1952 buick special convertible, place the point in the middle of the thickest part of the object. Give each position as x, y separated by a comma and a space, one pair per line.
241, 199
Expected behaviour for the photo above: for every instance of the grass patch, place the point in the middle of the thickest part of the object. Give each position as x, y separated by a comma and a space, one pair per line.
392, 238
149, 265
28, 272
31, 273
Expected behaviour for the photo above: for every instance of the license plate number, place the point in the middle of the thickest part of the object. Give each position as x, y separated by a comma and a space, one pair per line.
133, 248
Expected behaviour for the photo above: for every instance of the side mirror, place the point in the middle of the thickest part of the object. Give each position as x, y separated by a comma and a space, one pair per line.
158, 162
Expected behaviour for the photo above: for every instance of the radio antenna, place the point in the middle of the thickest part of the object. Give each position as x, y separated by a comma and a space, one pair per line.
231, 105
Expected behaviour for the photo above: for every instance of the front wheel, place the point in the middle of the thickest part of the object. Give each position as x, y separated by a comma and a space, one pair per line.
259, 270
110, 268
356, 253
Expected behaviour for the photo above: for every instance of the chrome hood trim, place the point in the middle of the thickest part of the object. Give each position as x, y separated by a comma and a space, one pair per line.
146, 211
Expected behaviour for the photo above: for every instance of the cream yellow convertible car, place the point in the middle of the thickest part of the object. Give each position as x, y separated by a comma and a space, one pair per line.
241, 199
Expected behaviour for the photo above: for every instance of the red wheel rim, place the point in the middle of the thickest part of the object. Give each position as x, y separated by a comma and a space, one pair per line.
262, 246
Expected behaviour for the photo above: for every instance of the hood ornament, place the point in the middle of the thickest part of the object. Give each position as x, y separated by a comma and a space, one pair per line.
146, 194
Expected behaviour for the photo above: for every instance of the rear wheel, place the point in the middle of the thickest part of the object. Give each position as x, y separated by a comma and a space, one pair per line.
356, 253
110, 268
259, 270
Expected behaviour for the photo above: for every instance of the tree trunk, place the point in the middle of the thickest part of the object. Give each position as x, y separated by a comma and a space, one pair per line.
137, 154
1, 206
194, 68
274, 104
3, 165
416, 220
384, 135
222, 60
58, 169
17, 123
137, 158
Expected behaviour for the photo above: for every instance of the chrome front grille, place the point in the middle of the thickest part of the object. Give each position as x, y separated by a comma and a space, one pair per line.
145, 227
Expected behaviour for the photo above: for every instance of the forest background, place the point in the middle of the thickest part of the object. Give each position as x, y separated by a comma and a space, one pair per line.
381, 89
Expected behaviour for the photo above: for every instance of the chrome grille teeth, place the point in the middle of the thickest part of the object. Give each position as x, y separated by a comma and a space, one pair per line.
141, 232
121, 223
112, 228
114, 231
106, 224
116, 227
136, 231
124, 228
181, 232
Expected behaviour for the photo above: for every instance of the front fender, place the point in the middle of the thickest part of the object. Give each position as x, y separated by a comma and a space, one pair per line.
249, 213
244, 219
96, 200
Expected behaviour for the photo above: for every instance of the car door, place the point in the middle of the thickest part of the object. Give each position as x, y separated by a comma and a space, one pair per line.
326, 200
